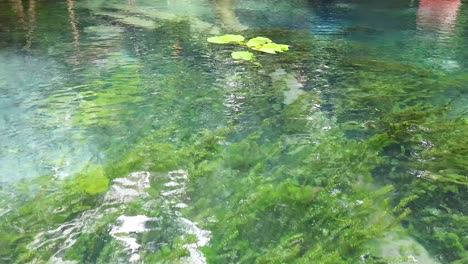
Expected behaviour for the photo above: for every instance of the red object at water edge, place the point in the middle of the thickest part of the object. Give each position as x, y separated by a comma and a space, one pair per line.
440, 15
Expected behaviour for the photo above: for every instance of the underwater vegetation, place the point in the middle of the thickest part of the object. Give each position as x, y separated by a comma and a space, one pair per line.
369, 147
424, 136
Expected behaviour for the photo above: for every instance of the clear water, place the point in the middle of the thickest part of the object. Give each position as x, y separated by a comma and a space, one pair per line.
85, 83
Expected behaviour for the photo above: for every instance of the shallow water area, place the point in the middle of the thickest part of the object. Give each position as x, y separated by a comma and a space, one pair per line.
126, 137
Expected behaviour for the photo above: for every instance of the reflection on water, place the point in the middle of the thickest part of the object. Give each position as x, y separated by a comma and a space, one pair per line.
73, 23
436, 24
225, 9
19, 10
31, 23
438, 15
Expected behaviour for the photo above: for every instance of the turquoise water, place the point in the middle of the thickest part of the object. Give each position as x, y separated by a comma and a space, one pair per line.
126, 137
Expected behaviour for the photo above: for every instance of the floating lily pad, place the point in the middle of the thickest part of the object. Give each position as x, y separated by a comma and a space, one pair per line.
262, 44
266, 45
226, 39
271, 48
258, 41
243, 55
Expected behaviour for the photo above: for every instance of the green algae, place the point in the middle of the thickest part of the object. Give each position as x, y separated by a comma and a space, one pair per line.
316, 197
49, 204
424, 141
272, 208
440, 181
93, 182
235, 182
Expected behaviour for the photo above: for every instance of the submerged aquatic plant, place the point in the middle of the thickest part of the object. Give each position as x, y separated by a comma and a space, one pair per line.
262, 44
226, 39
242, 55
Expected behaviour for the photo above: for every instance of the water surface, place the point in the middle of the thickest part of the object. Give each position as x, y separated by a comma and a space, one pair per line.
278, 157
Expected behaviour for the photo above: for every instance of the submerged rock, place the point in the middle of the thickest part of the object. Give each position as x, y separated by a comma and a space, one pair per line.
292, 87
403, 249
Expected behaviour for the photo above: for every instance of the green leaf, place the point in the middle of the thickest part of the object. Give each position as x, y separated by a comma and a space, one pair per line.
281, 47
226, 39
258, 41
243, 55
271, 48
